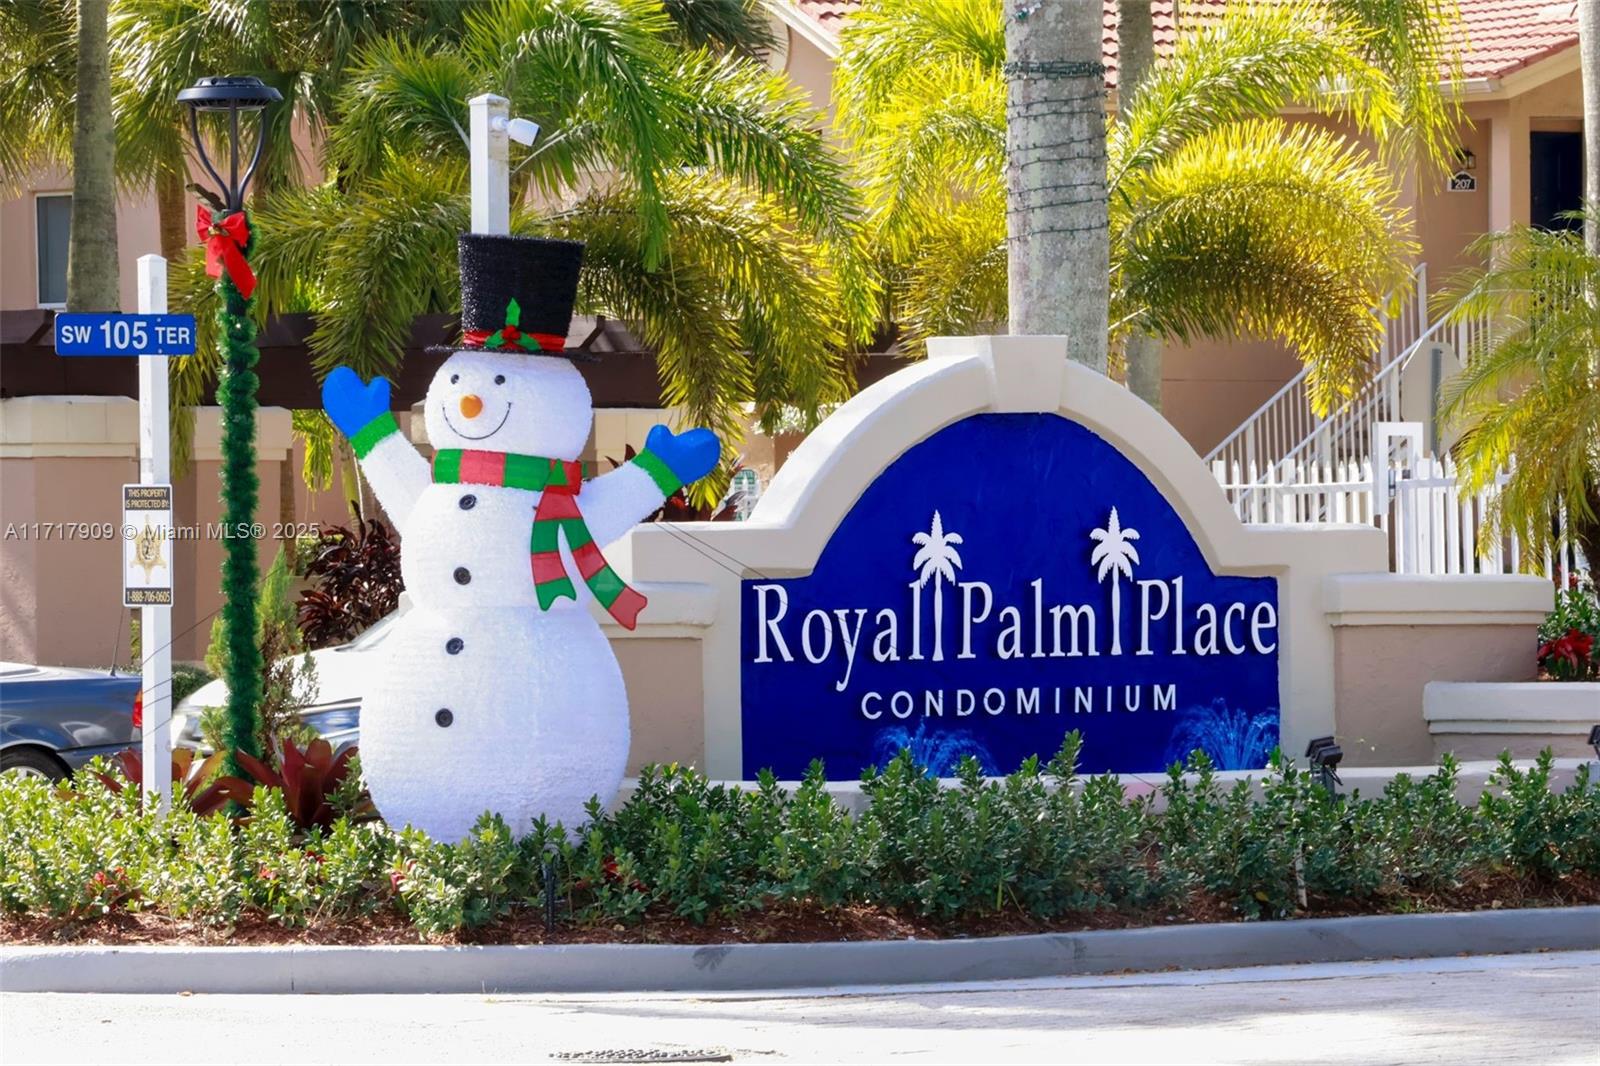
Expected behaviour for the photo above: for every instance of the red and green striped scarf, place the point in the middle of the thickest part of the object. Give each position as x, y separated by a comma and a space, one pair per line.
559, 483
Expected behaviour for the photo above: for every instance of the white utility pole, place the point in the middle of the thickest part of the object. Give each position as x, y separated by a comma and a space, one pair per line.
490, 148
155, 468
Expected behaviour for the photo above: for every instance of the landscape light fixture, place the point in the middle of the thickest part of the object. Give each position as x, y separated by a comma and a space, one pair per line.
229, 245
1326, 755
233, 96
1594, 739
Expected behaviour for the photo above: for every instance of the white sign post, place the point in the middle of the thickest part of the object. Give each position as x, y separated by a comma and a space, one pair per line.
490, 151
155, 469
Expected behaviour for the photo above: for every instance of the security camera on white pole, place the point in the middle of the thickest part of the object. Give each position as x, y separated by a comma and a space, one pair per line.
491, 129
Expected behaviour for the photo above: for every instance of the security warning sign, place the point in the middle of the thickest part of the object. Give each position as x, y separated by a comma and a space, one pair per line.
146, 545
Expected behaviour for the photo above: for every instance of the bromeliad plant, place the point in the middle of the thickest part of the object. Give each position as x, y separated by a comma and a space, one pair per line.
206, 789
358, 581
318, 786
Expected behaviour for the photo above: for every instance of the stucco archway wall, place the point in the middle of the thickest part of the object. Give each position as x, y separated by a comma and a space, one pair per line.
967, 376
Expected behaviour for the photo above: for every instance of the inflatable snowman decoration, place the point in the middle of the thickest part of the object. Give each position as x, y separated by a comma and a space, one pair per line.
497, 691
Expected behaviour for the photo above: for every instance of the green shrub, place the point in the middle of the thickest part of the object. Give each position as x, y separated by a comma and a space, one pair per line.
1041, 844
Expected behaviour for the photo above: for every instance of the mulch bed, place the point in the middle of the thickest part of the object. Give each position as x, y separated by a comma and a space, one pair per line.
789, 923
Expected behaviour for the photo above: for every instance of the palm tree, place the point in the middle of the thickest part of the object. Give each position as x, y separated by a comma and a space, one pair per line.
937, 559
718, 224
1136, 57
1529, 401
1115, 556
1056, 175
1224, 219
92, 269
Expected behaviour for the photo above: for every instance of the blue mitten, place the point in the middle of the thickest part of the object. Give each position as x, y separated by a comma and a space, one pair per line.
352, 405
690, 455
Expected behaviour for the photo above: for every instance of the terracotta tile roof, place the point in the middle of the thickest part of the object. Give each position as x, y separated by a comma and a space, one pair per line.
1503, 35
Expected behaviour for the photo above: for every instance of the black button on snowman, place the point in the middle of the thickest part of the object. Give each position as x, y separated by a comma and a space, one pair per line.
538, 710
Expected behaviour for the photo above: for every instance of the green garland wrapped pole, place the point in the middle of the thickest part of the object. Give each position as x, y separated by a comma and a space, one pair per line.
229, 242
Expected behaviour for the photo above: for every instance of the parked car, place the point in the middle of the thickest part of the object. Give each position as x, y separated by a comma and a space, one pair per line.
53, 719
335, 712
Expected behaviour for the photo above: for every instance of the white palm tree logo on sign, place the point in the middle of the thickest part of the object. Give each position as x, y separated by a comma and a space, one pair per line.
938, 559
1114, 555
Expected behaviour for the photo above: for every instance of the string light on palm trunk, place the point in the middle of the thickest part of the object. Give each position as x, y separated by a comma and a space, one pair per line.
224, 228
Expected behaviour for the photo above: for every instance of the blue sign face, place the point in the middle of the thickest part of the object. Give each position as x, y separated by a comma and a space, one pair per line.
1009, 579
109, 334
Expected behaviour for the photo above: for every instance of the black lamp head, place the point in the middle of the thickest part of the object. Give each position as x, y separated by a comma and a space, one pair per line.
231, 96
222, 94
1594, 739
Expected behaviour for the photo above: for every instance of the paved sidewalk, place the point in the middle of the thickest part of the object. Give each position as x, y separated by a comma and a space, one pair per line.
1537, 1009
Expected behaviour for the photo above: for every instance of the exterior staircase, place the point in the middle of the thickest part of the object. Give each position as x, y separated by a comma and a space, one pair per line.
1285, 436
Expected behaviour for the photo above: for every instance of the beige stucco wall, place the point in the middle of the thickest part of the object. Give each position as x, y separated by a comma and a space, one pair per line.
63, 459
1394, 634
1381, 672
666, 695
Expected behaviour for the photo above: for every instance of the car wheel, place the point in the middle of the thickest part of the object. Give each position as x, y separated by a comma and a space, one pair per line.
30, 762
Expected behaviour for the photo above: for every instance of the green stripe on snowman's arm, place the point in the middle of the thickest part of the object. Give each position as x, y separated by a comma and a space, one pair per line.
659, 472
368, 436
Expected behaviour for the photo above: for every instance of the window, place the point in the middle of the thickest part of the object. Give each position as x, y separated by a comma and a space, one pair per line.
53, 214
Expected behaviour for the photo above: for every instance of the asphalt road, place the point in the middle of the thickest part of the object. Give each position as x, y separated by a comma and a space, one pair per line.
1542, 1009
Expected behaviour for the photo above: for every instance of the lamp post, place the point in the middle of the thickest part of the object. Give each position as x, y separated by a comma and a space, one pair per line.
228, 242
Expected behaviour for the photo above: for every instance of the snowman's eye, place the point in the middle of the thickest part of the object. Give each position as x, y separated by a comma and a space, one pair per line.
454, 378
499, 379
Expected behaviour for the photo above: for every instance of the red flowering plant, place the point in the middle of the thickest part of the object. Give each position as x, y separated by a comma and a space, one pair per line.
1569, 639
1570, 657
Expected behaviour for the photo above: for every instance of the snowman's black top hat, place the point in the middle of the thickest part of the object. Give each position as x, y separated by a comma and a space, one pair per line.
517, 294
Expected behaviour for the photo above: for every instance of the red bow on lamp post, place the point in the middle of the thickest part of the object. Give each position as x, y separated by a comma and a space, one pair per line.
225, 242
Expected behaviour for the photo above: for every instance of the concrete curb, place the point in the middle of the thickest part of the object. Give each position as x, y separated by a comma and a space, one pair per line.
734, 967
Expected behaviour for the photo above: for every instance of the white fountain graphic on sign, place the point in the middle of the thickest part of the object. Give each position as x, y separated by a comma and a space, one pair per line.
1114, 555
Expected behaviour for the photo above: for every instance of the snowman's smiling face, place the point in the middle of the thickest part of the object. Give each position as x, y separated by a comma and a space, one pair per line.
509, 402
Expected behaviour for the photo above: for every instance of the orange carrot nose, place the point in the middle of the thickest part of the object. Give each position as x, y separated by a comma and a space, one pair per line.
471, 405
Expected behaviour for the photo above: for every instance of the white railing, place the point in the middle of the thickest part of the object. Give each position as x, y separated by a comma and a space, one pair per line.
1280, 428
1435, 526
1345, 436
1299, 492
1439, 528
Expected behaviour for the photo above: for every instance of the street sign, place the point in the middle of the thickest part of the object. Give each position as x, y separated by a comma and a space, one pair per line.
108, 334
147, 545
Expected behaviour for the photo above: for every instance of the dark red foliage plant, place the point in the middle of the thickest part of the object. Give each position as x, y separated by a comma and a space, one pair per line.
356, 575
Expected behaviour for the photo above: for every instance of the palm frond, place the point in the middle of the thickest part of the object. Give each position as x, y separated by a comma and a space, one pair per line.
402, 98
730, 26
1417, 44
608, 56
941, 140
38, 82
1269, 230
957, 284
887, 42
1251, 63
1528, 402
